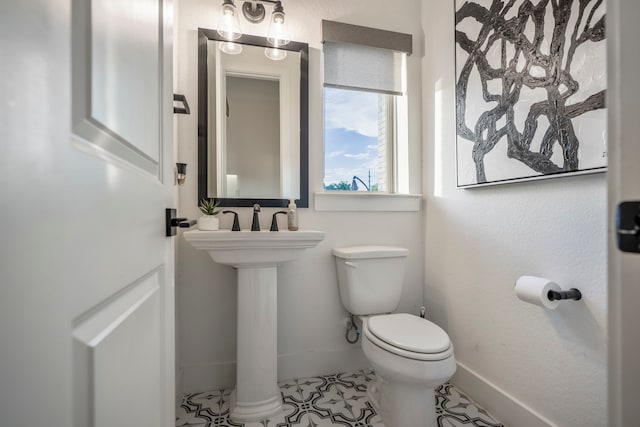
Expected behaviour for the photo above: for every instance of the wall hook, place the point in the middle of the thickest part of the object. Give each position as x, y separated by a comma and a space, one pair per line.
185, 108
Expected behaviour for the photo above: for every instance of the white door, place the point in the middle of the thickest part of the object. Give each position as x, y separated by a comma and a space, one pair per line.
623, 34
86, 277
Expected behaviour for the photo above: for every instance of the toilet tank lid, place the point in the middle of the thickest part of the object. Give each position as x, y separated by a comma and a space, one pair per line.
361, 252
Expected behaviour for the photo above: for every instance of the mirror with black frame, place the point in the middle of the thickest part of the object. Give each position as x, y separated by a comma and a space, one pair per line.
252, 121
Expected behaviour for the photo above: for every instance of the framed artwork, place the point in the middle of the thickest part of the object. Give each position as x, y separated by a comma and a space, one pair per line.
530, 89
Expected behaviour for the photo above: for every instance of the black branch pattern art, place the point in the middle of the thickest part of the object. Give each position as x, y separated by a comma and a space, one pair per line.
515, 46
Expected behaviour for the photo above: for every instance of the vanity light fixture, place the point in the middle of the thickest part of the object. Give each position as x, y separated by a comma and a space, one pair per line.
254, 12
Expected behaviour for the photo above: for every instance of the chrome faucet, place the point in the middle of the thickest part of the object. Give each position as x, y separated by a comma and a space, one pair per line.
255, 224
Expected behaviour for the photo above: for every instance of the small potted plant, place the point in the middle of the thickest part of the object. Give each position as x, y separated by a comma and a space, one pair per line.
209, 221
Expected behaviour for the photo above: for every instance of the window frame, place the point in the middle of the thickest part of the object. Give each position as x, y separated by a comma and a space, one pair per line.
396, 197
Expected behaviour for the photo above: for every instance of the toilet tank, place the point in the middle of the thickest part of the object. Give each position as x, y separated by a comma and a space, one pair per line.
370, 278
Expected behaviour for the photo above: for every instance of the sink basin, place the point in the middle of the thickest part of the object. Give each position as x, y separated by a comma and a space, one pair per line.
256, 255
253, 248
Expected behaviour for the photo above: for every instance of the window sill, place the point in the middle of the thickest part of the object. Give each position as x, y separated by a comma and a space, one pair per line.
365, 201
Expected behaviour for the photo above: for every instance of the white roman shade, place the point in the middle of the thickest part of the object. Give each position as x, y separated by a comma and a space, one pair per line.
364, 58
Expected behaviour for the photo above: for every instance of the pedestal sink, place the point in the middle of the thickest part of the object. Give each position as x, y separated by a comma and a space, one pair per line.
256, 255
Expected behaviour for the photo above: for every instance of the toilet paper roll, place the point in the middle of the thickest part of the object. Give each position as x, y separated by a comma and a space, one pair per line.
534, 290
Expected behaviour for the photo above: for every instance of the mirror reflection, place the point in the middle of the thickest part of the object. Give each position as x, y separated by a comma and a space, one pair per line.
255, 122
257, 114
251, 169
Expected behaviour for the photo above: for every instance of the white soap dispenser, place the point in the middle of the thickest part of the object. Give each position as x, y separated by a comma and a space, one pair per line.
292, 216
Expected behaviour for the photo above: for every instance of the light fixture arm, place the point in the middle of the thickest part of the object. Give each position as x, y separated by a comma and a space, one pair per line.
254, 11
265, 1
278, 6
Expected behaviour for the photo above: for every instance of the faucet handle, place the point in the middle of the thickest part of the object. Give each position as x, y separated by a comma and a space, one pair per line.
274, 220
255, 223
236, 223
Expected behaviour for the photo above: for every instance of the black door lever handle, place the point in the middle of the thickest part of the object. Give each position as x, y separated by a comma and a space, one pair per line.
628, 226
186, 223
171, 222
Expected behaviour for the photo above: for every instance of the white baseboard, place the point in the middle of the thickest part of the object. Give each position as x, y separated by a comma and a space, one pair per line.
313, 364
216, 376
504, 407
213, 376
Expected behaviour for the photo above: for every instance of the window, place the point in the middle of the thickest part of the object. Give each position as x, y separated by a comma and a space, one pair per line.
364, 108
358, 140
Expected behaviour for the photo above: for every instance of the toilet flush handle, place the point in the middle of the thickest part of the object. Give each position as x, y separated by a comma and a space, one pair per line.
351, 264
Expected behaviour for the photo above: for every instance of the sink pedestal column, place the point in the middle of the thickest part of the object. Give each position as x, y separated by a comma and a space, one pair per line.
257, 395
256, 256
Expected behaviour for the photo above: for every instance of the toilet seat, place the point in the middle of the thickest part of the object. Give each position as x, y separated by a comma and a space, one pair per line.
408, 336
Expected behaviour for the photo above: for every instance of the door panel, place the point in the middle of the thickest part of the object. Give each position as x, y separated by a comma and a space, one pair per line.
120, 262
86, 273
121, 292
35, 350
116, 348
623, 34
125, 56
117, 82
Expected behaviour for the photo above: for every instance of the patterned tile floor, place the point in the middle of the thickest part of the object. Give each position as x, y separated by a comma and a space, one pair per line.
333, 400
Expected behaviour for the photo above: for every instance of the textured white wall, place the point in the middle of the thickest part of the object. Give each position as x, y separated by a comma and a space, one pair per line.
479, 241
310, 331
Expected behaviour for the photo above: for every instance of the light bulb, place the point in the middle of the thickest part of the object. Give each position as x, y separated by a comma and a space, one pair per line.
230, 48
229, 26
278, 34
275, 54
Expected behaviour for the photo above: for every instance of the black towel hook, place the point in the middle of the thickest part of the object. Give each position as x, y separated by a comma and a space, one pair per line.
185, 105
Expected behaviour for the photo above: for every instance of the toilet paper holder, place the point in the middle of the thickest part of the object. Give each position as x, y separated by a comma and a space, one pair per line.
573, 294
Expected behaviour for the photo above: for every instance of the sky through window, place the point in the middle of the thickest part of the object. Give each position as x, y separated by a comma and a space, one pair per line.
351, 138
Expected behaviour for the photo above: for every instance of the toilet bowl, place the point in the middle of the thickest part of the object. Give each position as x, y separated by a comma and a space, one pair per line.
409, 365
411, 356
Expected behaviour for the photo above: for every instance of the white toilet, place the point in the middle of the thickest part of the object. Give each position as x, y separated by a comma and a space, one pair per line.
410, 355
